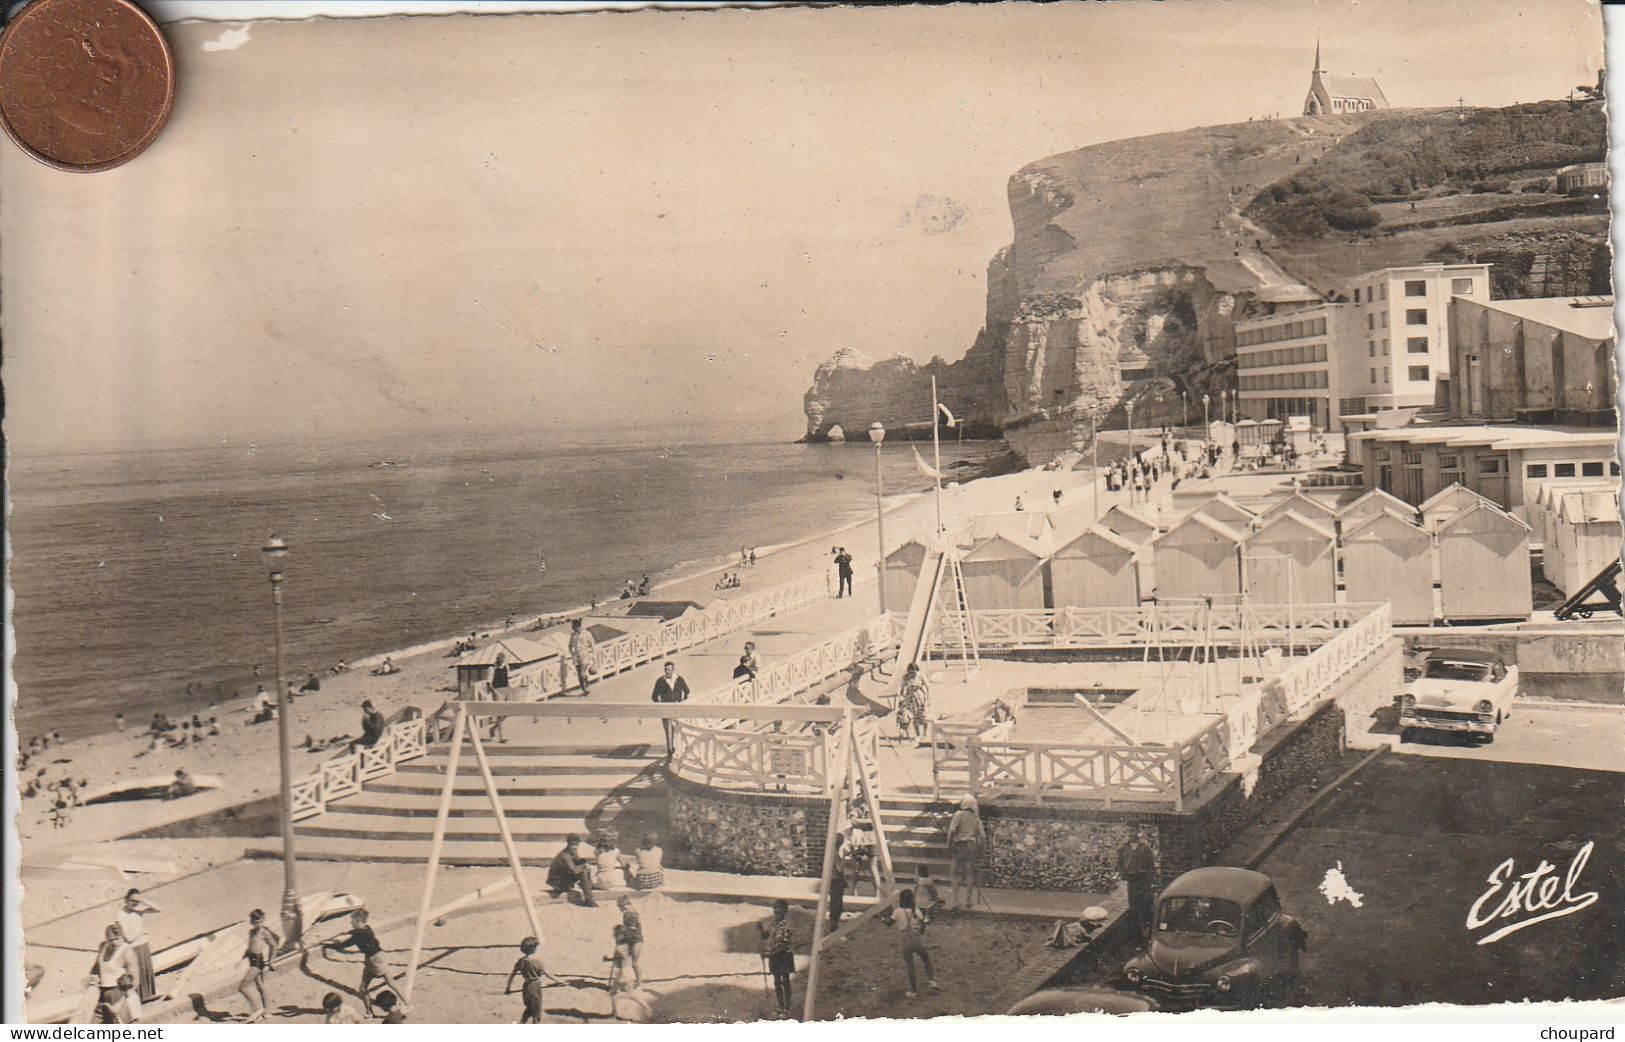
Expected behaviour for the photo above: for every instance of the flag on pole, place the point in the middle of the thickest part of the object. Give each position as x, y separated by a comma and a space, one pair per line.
925, 469
948, 417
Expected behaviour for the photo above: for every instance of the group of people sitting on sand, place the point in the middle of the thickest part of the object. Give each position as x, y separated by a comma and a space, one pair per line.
635, 588
729, 581
604, 867
164, 733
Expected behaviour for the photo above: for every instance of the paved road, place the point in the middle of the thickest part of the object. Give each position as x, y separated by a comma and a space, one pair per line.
1557, 736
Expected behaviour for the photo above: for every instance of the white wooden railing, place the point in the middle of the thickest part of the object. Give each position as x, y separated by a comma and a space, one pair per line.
762, 761
344, 775
1171, 774
875, 641
1175, 624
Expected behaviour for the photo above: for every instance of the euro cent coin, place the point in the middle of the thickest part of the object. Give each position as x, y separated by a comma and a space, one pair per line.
84, 84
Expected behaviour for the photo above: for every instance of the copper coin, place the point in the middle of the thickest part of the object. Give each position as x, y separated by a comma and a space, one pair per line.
84, 84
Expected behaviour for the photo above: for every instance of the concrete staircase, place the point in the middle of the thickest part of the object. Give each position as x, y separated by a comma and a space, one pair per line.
547, 793
915, 828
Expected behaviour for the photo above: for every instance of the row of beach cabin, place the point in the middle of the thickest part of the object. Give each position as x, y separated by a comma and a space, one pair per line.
1458, 557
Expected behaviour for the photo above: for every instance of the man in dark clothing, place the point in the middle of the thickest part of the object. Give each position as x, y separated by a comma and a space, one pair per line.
843, 572
669, 687
1138, 866
569, 870
372, 726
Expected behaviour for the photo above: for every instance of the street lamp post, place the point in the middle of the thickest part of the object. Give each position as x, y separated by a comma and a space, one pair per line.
1207, 428
1129, 408
292, 920
877, 434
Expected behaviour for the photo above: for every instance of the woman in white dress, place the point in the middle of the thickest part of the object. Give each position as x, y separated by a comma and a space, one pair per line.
134, 928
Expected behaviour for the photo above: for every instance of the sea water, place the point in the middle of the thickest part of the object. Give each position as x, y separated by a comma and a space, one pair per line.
138, 574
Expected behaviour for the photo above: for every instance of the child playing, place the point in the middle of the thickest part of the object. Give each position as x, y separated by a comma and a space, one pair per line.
530, 968
926, 896
633, 926
618, 962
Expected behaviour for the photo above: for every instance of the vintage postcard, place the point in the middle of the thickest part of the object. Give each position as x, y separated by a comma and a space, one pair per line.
809, 513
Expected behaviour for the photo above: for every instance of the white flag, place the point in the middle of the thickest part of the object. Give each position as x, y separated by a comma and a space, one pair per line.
948, 416
925, 468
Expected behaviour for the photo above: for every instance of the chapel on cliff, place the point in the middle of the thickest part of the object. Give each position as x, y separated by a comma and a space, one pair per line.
1330, 94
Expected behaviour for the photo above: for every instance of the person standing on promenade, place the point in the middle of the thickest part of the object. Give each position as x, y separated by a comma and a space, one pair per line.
262, 945
669, 687
778, 945
966, 837
843, 572
1138, 866
531, 970
911, 929
133, 927
365, 942
582, 653
114, 961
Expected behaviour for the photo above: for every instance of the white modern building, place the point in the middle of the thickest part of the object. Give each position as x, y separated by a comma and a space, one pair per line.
1403, 353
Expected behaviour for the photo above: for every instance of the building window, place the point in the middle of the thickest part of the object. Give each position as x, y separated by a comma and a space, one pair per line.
1591, 470
1416, 317
1535, 470
1417, 345
1413, 459
1382, 290
1613, 469
1385, 320
1563, 470
1356, 294
1371, 321
1451, 462
1461, 285
1416, 287
1418, 372
1385, 347
1489, 466
1373, 376
1371, 348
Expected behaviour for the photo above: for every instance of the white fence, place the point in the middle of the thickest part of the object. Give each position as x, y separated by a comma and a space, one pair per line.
408, 739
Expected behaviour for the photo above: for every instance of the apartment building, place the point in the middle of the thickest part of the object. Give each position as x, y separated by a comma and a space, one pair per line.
1403, 352
1287, 363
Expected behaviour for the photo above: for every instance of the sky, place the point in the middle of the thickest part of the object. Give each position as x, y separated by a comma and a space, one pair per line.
364, 227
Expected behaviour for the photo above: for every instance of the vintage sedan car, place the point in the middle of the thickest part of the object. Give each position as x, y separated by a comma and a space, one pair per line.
1467, 690
1218, 938
1052, 1002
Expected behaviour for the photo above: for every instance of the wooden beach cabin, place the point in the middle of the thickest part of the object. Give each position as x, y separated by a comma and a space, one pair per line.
517, 653
1096, 568
1304, 505
1484, 565
1290, 560
1005, 571
1032, 525
903, 573
1585, 531
1447, 503
1130, 524
1387, 557
1196, 558
1227, 511
1371, 504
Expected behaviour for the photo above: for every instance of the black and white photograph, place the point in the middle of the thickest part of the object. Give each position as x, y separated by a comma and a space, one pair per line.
808, 512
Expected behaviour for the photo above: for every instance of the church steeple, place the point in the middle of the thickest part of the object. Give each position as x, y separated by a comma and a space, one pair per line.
1317, 54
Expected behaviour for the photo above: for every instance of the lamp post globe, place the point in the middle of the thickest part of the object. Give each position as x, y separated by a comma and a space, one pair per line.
275, 551
1206, 429
877, 434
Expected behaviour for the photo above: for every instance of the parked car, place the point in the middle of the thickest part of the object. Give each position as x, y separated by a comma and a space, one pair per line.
1467, 690
1218, 938
1053, 1002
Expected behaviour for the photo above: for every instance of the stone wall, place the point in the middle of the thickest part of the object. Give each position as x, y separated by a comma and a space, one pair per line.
749, 833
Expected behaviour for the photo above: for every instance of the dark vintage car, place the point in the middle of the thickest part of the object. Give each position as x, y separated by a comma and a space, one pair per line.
1053, 1002
1218, 938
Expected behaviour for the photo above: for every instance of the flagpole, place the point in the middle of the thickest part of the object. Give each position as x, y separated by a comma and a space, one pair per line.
936, 449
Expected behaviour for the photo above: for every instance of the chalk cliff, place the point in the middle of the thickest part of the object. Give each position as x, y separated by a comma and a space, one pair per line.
1130, 261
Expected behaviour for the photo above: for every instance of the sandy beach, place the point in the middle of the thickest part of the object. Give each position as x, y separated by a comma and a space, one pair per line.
244, 755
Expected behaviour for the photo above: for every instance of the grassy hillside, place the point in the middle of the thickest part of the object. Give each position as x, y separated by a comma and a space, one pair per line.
1424, 185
